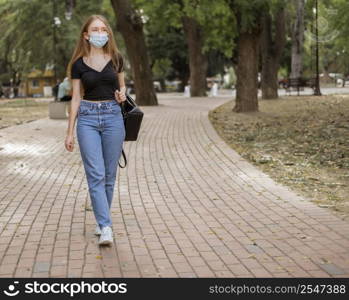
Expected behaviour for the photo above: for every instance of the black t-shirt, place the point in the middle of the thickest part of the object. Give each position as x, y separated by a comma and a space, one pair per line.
97, 85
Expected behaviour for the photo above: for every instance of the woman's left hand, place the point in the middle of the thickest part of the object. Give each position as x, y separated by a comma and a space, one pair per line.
120, 96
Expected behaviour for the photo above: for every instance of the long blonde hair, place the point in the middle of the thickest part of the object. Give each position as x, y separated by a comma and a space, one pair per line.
82, 47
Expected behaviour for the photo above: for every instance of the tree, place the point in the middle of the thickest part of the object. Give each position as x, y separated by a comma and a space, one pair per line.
195, 39
130, 24
272, 45
168, 54
197, 59
297, 40
336, 19
249, 28
206, 27
206, 24
166, 42
27, 43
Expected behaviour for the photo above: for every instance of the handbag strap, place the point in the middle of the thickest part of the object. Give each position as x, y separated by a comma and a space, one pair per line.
124, 155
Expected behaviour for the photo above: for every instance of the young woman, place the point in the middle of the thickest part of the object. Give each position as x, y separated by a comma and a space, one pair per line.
96, 72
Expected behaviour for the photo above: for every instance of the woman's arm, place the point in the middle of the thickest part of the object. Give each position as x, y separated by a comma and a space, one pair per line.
74, 106
120, 95
121, 78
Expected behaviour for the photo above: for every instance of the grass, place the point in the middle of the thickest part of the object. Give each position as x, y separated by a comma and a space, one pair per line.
18, 111
301, 142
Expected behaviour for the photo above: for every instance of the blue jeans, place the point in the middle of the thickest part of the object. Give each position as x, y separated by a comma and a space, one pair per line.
100, 133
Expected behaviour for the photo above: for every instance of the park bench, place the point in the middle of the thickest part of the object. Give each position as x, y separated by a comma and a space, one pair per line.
298, 83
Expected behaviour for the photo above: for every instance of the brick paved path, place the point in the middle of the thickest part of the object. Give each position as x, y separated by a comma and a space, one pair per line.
186, 206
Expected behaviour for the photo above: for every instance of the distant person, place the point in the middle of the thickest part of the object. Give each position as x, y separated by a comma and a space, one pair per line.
55, 89
97, 66
214, 90
64, 90
187, 91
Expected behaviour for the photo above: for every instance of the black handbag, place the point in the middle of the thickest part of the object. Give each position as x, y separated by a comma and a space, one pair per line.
133, 117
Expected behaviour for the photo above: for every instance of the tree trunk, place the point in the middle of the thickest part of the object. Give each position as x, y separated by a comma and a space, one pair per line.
269, 82
129, 23
247, 72
197, 60
183, 78
297, 41
272, 47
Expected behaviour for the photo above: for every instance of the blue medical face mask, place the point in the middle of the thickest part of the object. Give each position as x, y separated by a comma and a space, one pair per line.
98, 40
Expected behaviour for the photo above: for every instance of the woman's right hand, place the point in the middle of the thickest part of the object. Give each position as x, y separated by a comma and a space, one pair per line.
69, 143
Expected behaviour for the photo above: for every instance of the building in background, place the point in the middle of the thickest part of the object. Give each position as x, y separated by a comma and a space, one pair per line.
37, 83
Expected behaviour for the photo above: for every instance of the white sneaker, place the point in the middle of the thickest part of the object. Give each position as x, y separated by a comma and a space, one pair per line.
98, 230
106, 237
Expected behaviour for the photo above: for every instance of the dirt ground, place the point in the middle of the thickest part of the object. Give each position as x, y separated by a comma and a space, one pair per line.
301, 142
18, 111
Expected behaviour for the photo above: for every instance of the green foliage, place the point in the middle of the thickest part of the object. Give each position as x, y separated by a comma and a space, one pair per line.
164, 29
164, 47
337, 16
218, 24
333, 18
161, 68
248, 13
213, 16
27, 33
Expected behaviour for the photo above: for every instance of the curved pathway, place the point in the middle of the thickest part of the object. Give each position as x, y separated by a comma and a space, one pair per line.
186, 205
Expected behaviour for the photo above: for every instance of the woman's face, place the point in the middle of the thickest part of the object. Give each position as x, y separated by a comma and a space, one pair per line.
97, 26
